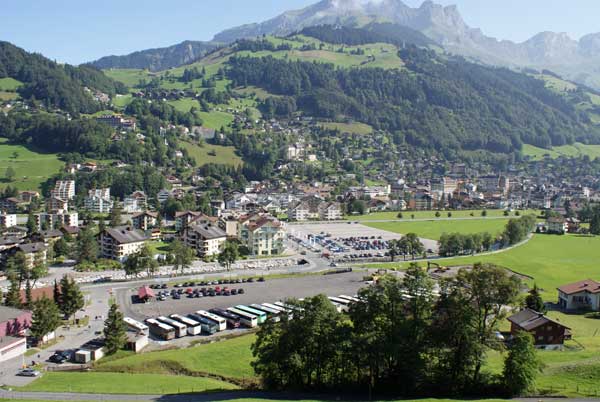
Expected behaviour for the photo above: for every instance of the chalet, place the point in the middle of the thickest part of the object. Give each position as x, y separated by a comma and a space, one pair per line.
546, 332
582, 295
35, 253
557, 225
28, 196
118, 243
262, 234
9, 205
57, 205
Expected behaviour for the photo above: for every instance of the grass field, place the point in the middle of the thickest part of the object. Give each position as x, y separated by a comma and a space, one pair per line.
222, 155
434, 229
9, 84
31, 167
215, 119
230, 358
120, 383
122, 101
353, 128
550, 260
129, 77
7, 96
574, 151
407, 215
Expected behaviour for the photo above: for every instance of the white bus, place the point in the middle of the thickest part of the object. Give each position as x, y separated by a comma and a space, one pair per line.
193, 327
160, 330
260, 315
349, 298
180, 328
249, 320
136, 326
339, 300
220, 321
283, 310
274, 315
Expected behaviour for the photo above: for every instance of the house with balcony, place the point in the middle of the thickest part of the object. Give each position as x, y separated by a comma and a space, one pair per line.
118, 243
263, 235
205, 239
582, 295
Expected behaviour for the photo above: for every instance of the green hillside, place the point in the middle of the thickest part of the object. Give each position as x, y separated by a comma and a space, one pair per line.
575, 150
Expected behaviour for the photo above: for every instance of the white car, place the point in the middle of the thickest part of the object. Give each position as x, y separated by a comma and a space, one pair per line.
29, 373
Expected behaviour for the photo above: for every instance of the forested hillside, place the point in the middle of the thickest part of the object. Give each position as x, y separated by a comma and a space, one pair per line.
433, 102
55, 85
373, 33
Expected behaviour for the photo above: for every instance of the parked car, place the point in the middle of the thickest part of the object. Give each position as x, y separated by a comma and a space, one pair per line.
28, 373
240, 291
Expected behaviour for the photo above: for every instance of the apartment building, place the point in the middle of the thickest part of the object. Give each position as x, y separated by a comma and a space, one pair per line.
99, 201
118, 243
64, 189
262, 235
7, 220
206, 239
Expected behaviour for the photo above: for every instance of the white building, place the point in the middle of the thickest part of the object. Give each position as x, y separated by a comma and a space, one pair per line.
99, 201
118, 243
56, 220
64, 189
206, 239
583, 295
8, 220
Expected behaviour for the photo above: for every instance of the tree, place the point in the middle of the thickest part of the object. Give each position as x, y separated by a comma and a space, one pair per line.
229, 254
61, 248
45, 318
31, 226
71, 299
115, 330
139, 261
10, 174
521, 366
484, 213
13, 296
115, 216
437, 214
534, 300
56, 293
400, 216
595, 221
87, 246
182, 255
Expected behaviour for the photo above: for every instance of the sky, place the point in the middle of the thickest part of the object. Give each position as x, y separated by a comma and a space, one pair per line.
76, 31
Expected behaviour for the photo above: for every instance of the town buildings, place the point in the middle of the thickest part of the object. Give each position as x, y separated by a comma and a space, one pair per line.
13, 326
64, 189
99, 201
262, 234
7, 220
205, 239
118, 243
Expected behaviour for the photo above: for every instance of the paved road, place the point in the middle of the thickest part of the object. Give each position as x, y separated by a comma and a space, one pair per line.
221, 396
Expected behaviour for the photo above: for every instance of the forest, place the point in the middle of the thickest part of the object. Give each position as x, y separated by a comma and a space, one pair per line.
55, 85
443, 104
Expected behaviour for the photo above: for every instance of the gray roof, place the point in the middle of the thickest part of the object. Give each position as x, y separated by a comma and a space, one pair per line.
529, 319
125, 234
209, 231
32, 247
51, 233
9, 313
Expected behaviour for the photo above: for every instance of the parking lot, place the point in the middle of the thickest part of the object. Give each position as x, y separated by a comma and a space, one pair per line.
348, 240
256, 292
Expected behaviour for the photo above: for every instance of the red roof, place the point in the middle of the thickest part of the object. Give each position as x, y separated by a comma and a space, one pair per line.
145, 293
588, 285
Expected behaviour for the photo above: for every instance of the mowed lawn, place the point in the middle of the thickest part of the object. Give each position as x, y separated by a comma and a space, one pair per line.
551, 260
31, 168
230, 358
408, 215
209, 153
120, 383
435, 228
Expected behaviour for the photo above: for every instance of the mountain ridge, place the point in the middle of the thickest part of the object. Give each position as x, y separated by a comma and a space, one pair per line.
443, 24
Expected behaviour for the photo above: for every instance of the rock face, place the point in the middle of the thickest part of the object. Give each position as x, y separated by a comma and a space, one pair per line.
576, 60
158, 59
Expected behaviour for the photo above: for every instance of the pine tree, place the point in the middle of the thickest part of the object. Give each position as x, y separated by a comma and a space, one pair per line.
115, 331
13, 296
31, 226
534, 300
56, 294
45, 318
115, 217
71, 297
28, 296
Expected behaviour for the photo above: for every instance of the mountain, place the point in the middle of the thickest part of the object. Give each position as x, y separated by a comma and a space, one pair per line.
56, 85
575, 60
158, 59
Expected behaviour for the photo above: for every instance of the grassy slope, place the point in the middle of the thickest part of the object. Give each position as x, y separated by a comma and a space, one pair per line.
224, 155
129, 77
118, 383
9, 84
575, 150
229, 358
551, 260
32, 168
434, 229
353, 128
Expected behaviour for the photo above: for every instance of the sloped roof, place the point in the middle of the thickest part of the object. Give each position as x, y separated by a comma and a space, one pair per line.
588, 285
124, 234
529, 319
209, 231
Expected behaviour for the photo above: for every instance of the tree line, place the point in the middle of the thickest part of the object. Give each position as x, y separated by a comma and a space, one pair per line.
401, 339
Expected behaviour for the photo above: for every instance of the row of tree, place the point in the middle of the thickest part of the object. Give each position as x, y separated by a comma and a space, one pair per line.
401, 338
451, 244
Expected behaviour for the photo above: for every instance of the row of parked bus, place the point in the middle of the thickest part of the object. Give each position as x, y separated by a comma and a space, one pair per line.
216, 320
